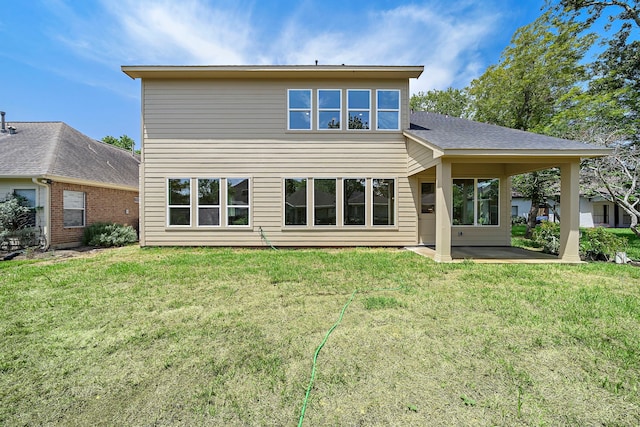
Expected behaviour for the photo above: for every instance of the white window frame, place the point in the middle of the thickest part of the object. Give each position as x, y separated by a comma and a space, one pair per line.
198, 205
358, 109
475, 203
313, 203
367, 183
290, 110
84, 209
284, 202
168, 213
395, 202
320, 110
388, 110
228, 205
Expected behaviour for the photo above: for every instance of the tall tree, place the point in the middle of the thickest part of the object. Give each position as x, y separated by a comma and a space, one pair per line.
124, 141
538, 70
451, 102
608, 112
617, 69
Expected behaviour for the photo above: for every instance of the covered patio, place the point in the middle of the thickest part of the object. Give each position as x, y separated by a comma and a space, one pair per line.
492, 255
459, 159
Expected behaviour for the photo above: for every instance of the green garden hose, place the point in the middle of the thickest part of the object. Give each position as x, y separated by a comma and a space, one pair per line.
326, 337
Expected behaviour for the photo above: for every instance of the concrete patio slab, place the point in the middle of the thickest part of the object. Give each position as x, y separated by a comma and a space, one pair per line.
491, 255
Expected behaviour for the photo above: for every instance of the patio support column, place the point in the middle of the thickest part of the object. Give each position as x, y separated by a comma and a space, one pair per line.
443, 211
570, 218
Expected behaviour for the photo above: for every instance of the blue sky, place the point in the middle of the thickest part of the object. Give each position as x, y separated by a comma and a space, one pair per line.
60, 59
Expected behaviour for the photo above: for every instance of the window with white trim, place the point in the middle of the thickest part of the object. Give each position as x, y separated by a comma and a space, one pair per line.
73, 208
359, 108
355, 198
299, 109
384, 198
329, 109
208, 202
324, 201
388, 110
179, 202
476, 201
295, 201
238, 201
27, 198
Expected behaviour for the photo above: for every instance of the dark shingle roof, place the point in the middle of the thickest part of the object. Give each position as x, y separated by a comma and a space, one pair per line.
452, 133
56, 149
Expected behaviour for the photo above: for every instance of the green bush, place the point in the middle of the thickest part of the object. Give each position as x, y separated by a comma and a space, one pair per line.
107, 234
518, 220
15, 229
598, 244
547, 236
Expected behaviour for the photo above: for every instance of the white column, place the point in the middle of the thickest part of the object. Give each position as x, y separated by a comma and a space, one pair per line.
570, 219
443, 212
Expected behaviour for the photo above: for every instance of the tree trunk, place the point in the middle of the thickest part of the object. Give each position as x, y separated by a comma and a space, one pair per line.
531, 219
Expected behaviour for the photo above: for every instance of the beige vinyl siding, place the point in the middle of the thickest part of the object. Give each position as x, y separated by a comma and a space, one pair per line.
267, 163
419, 157
238, 129
244, 109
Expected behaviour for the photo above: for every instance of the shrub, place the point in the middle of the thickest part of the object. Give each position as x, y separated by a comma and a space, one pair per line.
547, 236
518, 220
107, 234
597, 244
15, 229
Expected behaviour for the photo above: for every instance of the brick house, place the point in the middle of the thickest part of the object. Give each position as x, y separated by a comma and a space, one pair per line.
69, 179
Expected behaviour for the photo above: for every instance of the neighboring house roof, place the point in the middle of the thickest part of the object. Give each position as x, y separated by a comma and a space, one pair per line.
56, 150
445, 133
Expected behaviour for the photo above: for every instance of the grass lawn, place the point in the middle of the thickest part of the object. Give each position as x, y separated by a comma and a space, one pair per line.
226, 337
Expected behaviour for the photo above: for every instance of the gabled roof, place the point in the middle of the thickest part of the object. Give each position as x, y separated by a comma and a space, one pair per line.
452, 135
56, 150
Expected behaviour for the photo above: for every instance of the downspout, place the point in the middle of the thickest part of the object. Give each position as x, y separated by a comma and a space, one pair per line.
47, 211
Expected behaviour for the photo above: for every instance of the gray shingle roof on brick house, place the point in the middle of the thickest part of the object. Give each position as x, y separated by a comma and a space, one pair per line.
55, 149
453, 133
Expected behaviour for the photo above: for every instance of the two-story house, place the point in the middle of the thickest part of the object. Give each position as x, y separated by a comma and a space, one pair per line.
328, 156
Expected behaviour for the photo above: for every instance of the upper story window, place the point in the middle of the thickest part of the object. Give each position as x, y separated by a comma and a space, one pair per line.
299, 106
359, 108
329, 109
388, 104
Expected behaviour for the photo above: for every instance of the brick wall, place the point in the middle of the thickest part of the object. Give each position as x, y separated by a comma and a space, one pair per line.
101, 205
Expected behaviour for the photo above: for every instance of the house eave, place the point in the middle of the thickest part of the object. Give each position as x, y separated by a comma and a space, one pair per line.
538, 153
79, 181
271, 72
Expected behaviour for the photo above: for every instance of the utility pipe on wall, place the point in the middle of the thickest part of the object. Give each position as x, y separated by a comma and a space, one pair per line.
47, 210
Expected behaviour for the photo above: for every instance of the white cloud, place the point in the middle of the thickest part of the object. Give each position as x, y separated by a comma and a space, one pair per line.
444, 38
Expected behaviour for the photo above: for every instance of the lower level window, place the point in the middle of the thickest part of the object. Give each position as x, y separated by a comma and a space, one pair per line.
476, 201
324, 201
179, 201
383, 201
208, 202
355, 201
295, 201
27, 198
74, 208
237, 201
